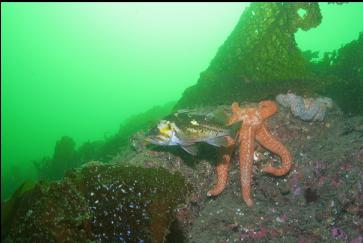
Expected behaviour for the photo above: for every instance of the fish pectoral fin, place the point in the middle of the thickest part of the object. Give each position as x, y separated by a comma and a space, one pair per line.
190, 148
217, 141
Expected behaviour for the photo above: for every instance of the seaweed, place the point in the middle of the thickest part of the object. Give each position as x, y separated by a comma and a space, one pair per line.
341, 72
66, 156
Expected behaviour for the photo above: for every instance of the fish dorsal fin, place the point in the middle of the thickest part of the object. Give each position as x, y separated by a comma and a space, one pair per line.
190, 148
217, 141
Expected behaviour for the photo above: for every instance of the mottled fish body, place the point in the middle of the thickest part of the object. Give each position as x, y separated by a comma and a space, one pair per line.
188, 127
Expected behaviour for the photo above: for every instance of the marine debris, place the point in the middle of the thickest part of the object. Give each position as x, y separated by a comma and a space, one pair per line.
259, 59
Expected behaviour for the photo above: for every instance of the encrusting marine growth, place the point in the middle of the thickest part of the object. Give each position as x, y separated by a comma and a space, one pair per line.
253, 128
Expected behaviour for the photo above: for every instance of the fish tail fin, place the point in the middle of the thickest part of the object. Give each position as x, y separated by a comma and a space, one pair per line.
218, 141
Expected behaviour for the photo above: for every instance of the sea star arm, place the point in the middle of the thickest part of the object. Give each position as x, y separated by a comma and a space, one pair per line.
246, 150
267, 140
238, 114
222, 168
267, 108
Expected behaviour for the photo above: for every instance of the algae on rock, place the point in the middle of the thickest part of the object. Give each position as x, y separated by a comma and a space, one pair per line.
64, 158
99, 202
348, 67
341, 75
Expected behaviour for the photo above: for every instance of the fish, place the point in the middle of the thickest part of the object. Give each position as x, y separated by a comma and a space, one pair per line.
188, 127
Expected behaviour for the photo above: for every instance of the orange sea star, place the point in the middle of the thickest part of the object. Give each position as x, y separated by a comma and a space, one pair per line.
253, 127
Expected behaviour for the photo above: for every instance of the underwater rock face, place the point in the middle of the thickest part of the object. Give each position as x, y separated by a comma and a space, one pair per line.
323, 190
320, 200
100, 202
53, 212
321, 193
259, 59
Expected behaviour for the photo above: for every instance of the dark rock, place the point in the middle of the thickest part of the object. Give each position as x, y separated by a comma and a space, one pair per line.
284, 188
101, 202
310, 195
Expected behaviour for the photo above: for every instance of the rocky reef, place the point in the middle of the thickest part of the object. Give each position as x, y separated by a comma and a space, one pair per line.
98, 202
320, 200
159, 194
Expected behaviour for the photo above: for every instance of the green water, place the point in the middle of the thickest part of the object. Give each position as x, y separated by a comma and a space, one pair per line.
82, 69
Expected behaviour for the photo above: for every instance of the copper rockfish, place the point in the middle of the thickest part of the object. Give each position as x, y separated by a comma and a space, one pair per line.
188, 127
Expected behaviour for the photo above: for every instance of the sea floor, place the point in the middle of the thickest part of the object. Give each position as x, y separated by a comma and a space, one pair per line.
320, 200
